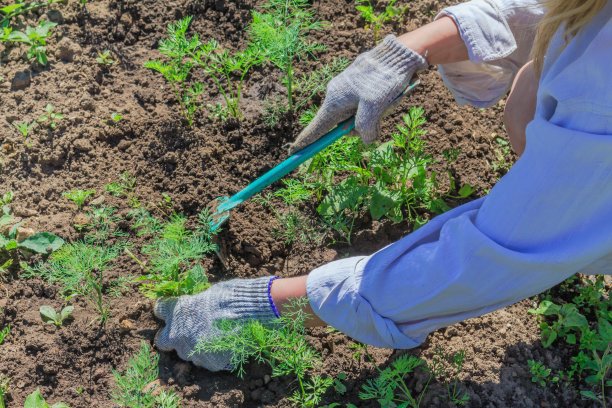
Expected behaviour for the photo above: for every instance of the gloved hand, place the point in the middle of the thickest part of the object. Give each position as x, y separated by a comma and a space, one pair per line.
366, 89
191, 318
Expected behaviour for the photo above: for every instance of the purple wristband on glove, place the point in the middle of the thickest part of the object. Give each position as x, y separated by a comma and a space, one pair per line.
272, 305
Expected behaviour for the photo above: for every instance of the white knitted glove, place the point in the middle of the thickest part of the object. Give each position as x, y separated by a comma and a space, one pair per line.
366, 89
192, 318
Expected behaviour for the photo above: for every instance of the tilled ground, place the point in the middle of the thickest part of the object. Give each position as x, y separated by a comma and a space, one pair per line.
194, 165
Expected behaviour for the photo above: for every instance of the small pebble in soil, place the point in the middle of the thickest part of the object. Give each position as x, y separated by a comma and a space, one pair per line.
67, 50
21, 80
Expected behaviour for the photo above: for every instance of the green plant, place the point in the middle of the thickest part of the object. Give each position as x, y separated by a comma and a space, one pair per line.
78, 196
10, 246
308, 115
116, 117
34, 37
293, 227
36, 400
50, 316
13, 10
227, 70
4, 333
50, 117
124, 187
447, 367
274, 110
540, 374
4, 390
105, 58
584, 323
6, 198
80, 269
174, 266
281, 34
390, 179
101, 225
136, 388
283, 346
24, 128
314, 83
375, 20
503, 154
177, 69
390, 390
339, 386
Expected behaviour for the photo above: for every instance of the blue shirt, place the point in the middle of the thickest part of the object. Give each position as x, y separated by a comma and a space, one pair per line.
547, 219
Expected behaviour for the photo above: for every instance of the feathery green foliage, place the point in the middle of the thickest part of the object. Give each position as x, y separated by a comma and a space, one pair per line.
389, 389
135, 386
79, 269
309, 85
282, 346
183, 54
174, 266
281, 34
124, 187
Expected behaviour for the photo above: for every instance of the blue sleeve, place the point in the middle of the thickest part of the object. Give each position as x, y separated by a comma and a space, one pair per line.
547, 219
498, 35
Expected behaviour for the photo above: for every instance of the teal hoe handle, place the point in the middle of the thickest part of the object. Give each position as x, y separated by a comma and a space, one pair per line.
224, 204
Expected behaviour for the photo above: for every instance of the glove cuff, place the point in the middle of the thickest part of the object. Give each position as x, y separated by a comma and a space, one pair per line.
398, 57
250, 298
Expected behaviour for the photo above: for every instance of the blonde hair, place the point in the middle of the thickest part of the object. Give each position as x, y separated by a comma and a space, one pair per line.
573, 14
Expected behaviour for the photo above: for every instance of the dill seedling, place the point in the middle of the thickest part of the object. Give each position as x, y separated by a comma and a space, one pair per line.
282, 346
79, 197
281, 33
308, 115
374, 20
133, 387
177, 68
79, 269
227, 70
389, 389
314, 83
174, 267
122, 188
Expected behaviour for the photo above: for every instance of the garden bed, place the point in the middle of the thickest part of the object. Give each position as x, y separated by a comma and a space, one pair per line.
182, 168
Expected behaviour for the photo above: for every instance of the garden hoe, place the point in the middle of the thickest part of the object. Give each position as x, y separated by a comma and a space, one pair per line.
220, 207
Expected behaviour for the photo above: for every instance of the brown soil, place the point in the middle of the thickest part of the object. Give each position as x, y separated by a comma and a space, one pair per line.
194, 165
